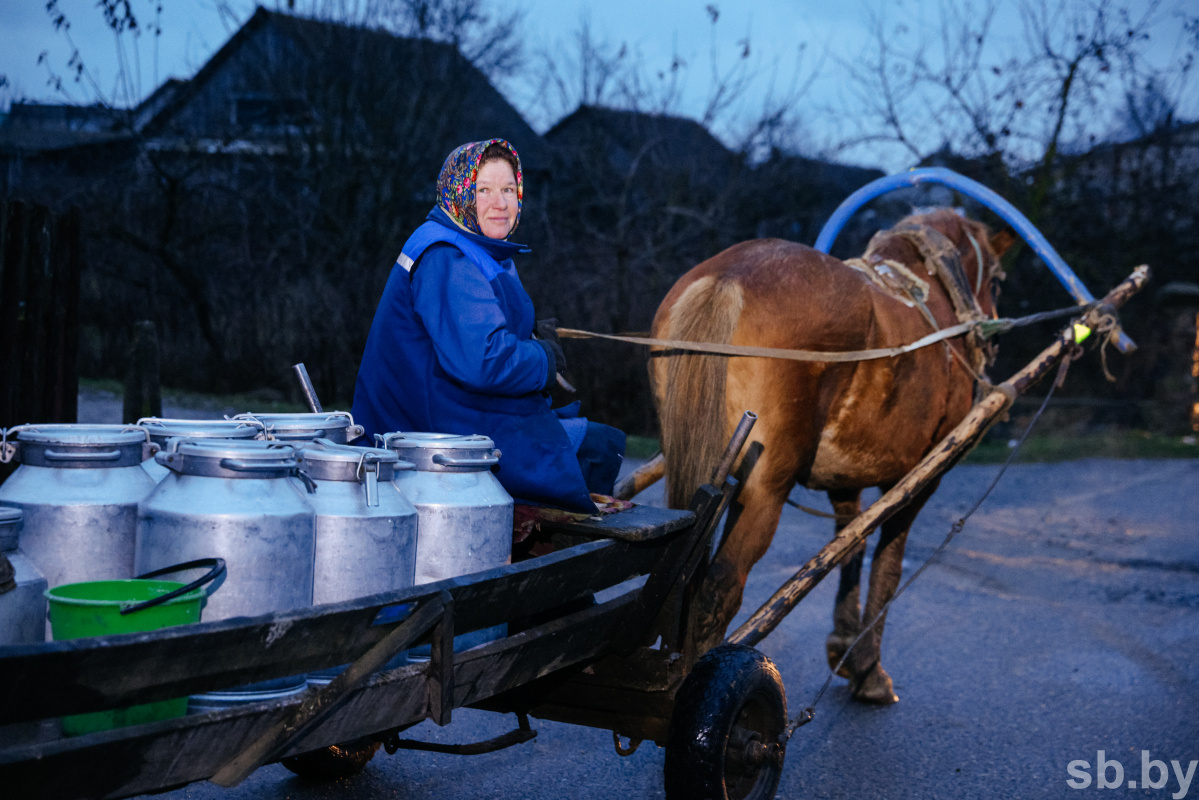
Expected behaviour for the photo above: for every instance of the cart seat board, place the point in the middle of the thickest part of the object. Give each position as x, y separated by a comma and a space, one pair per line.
638, 524
40, 681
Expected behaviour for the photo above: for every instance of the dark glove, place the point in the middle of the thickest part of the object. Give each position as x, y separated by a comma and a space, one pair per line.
547, 329
546, 332
555, 359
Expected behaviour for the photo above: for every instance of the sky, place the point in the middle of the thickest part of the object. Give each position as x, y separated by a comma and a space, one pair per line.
793, 43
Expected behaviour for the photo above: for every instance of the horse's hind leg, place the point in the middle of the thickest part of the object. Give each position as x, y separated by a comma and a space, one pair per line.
749, 529
869, 682
847, 612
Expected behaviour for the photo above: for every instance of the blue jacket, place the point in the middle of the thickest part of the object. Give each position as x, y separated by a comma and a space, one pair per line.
450, 351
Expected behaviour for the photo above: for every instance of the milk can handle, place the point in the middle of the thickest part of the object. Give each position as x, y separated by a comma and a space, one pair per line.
447, 461
238, 465
217, 569
104, 455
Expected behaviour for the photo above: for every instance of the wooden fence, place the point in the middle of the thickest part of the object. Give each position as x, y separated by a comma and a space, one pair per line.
40, 263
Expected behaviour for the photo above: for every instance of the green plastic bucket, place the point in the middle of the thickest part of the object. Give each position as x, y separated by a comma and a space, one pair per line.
81, 610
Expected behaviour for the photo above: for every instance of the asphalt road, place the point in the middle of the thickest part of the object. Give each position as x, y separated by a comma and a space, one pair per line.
1064, 620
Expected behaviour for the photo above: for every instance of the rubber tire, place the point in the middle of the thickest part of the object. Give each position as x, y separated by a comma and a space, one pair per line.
728, 682
343, 760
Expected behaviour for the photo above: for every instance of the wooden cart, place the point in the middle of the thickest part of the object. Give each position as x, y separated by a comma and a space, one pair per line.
624, 663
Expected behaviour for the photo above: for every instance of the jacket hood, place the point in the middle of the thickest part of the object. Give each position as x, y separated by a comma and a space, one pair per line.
456, 184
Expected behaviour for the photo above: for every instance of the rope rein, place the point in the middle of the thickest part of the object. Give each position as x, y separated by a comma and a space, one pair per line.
986, 327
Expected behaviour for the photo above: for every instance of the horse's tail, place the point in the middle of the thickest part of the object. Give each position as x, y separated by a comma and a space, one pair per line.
691, 405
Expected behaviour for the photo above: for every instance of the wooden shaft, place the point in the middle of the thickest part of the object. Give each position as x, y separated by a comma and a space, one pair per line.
943, 456
302, 718
641, 478
740, 435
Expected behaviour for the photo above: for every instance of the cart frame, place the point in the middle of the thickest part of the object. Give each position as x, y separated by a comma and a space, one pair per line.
615, 664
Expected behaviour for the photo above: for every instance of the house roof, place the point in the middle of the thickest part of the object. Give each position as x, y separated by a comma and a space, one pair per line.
630, 134
34, 127
495, 116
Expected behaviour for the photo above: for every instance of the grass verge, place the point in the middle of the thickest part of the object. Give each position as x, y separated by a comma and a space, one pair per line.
262, 401
1123, 444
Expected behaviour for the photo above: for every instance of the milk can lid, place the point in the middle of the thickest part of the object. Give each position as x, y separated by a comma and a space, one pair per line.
201, 428
444, 452
301, 420
72, 433
233, 448
319, 450
404, 440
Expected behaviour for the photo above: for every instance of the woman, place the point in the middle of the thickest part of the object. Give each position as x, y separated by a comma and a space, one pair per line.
451, 348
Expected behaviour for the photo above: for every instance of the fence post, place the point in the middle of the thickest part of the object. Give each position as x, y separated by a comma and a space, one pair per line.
143, 392
40, 265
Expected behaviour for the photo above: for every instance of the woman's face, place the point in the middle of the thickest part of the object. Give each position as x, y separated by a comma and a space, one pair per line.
495, 199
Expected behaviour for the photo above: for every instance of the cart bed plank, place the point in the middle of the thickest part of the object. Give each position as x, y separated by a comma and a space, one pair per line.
130, 761
39, 681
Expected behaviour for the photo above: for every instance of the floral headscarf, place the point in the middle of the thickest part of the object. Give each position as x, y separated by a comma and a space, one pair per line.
456, 184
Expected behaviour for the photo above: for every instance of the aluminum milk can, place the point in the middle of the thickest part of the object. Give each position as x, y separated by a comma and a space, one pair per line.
465, 515
234, 500
336, 426
79, 486
163, 430
365, 530
22, 604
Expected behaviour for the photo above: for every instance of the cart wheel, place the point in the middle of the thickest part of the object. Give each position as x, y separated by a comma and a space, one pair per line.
723, 733
337, 761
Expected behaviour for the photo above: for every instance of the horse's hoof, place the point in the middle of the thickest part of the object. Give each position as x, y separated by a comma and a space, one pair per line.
874, 687
835, 647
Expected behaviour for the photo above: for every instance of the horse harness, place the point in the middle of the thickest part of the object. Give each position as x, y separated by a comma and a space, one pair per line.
942, 261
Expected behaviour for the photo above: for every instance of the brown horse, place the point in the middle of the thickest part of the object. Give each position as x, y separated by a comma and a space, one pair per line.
836, 427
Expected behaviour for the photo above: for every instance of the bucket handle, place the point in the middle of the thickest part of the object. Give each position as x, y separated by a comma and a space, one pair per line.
217, 569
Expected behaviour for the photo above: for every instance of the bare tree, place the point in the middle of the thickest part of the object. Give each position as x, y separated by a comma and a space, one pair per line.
485, 32
1075, 119
956, 85
78, 83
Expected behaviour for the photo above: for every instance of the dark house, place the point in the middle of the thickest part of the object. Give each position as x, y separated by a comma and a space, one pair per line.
286, 86
288, 79
626, 142
254, 210
791, 197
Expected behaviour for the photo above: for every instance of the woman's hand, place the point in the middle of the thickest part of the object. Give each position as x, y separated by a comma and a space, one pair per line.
546, 333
